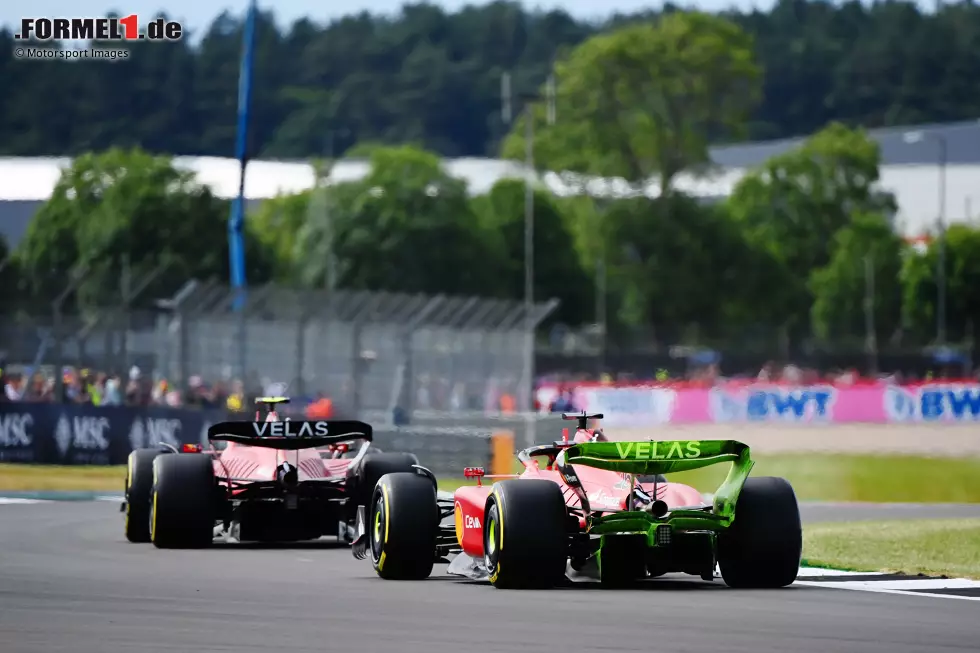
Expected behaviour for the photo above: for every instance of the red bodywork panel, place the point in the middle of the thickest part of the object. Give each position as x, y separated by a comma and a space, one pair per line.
244, 463
604, 488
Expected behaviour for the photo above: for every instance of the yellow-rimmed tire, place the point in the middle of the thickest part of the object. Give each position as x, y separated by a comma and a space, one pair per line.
403, 522
139, 487
525, 543
182, 509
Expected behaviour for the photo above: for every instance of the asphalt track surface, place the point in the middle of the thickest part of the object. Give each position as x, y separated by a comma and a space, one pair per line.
70, 583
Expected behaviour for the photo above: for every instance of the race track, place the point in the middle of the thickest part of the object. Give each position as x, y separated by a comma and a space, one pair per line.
70, 583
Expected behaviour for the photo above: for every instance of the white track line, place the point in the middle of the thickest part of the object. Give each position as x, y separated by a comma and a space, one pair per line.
814, 572
16, 500
880, 590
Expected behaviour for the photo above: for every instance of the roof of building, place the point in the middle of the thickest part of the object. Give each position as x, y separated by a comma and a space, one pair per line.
910, 170
907, 145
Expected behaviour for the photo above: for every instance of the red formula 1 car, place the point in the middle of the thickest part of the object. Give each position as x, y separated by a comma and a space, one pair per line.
592, 508
267, 480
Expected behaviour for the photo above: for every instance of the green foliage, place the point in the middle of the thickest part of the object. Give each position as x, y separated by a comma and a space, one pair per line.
794, 204
646, 98
125, 209
840, 289
919, 276
9, 276
664, 255
558, 271
433, 77
275, 226
640, 98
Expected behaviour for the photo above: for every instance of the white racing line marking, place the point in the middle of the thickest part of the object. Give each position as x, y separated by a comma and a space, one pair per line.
907, 590
889, 584
15, 500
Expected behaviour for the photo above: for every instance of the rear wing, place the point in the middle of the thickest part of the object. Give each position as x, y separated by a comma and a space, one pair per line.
291, 435
655, 457
665, 457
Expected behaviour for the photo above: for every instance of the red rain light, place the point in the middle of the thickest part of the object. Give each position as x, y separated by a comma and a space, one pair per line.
191, 448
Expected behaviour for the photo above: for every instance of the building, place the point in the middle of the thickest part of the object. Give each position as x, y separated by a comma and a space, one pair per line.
915, 160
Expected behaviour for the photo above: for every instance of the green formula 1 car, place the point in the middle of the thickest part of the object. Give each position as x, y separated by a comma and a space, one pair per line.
594, 508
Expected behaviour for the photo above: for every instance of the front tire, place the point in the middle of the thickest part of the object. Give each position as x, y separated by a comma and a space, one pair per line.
763, 546
139, 487
183, 507
531, 514
403, 523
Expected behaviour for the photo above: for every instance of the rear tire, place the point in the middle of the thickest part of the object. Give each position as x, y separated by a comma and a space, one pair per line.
763, 546
403, 521
183, 506
139, 487
532, 515
363, 479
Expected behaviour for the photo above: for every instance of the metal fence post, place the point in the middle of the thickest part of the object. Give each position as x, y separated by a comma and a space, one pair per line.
76, 279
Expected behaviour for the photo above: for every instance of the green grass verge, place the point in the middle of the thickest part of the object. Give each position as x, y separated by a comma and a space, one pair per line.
89, 478
815, 477
879, 479
16, 477
948, 547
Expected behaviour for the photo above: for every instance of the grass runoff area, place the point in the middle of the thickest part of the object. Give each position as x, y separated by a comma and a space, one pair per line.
949, 547
940, 546
815, 477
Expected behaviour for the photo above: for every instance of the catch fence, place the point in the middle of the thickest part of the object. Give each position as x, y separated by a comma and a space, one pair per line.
369, 352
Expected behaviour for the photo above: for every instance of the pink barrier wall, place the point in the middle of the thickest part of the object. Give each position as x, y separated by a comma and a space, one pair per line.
757, 402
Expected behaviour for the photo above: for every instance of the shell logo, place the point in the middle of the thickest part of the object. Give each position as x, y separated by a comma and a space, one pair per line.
459, 523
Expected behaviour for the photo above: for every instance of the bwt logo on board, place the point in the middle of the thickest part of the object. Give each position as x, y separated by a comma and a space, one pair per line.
126, 28
813, 404
955, 403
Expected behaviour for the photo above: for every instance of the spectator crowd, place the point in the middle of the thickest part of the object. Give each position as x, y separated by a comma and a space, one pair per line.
84, 386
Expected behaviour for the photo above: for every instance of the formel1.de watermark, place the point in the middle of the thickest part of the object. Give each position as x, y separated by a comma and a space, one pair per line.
44, 39
70, 54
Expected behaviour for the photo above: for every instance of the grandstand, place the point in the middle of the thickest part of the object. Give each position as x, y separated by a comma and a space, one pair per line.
911, 167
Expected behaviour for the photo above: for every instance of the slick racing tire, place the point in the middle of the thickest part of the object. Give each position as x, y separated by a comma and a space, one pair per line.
763, 546
403, 522
182, 513
524, 536
362, 479
139, 487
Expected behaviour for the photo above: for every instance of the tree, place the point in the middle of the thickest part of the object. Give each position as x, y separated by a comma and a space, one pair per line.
9, 276
558, 272
279, 222
406, 227
647, 99
431, 76
919, 281
126, 209
796, 202
677, 265
841, 288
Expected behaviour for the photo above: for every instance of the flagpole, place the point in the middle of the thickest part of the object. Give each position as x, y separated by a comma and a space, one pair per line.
236, 224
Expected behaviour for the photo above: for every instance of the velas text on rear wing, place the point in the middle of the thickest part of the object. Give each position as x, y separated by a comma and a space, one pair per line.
291, 429
658, 450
